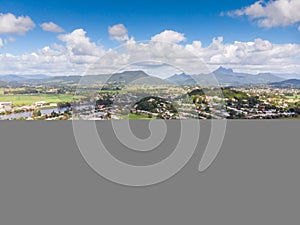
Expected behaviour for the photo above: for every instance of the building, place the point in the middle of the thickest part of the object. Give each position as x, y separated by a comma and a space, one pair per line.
5, 106
40, 104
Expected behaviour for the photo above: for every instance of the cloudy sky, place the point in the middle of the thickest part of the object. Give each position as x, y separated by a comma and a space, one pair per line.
69, 37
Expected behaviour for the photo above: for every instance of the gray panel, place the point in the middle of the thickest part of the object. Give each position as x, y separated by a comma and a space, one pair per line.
254, 180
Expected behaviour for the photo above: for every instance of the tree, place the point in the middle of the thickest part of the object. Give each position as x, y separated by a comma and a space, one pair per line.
37, 113
54, 114
61, 105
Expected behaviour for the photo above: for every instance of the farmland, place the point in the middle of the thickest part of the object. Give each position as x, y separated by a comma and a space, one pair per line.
21, 100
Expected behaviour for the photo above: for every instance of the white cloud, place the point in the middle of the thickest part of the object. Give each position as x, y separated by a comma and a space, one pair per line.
10, 24
51, 27
272, 13
118, 32
73, 57
169, 36
78, 54
78, 44
195, 46
299, 28
1, 43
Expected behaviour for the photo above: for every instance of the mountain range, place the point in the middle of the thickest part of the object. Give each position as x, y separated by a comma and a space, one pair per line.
225, 77
221, 76
291, 83
127, 77
3, 84
22, 78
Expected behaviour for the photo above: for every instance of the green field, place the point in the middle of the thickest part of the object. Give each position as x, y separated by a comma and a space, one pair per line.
21, 100
293, 97
133, 116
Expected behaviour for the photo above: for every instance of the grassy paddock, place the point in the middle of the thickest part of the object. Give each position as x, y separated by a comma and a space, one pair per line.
21, 100
293, 97
133, 116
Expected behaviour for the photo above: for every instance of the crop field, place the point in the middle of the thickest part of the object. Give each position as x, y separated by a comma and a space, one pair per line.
21, 100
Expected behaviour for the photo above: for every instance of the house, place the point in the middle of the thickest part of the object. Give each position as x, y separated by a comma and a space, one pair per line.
5, 106
40, 104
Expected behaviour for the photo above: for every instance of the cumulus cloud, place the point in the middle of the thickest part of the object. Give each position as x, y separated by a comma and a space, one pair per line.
169, 36
77, 43
272, 13
73, 57
118, 32
257, 52
78, 54
195, 46
10, 24
51, 27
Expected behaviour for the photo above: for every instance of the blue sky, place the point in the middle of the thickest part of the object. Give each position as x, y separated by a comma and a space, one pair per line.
196, 19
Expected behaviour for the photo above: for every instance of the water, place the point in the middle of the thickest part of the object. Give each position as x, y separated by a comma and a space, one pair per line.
29, 114
43, 111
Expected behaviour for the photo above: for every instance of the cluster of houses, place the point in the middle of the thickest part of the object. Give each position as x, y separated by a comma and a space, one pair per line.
8, 106
5, 106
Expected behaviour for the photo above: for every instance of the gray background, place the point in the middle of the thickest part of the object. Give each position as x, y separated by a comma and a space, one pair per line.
254, 180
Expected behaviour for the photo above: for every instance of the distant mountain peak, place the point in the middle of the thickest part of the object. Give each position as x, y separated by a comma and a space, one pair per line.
221, 69
134, 72
182, 79
181, 75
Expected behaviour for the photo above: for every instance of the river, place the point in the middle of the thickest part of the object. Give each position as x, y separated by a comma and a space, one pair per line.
29, 114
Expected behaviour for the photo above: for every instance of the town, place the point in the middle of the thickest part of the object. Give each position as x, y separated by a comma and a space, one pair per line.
146, 102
